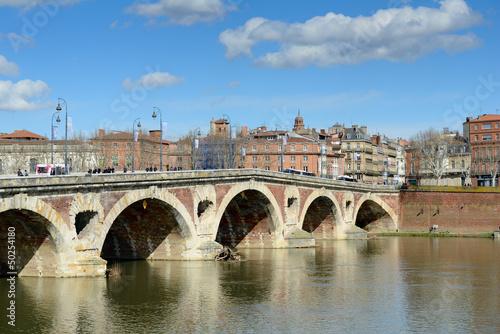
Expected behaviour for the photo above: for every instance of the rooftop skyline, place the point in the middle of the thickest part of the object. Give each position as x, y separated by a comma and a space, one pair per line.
396, 66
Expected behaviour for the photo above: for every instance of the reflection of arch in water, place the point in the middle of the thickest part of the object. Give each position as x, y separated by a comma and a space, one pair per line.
153, 226
39, 237
373, 214
249, 217
321, 215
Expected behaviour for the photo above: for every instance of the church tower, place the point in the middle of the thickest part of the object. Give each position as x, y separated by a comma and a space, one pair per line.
299, 123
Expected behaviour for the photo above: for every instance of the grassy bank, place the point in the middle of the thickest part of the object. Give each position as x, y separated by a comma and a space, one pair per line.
432, 235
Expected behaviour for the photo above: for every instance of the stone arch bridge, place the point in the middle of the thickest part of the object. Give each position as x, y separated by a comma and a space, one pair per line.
72, 225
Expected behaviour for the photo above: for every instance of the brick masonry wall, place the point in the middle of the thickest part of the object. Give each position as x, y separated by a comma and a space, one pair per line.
456, 210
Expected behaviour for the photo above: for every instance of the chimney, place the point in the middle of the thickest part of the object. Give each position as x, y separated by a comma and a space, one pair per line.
314, 129
244, 131
156, 134
322, 131
355, 127
363, 128
101, 132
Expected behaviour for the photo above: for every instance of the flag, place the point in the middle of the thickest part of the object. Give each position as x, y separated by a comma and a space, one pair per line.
233, 132
243, 151
136, 135
54, 132
163, 130
284, 140
69, 123
388, 161
196, 143
355, 156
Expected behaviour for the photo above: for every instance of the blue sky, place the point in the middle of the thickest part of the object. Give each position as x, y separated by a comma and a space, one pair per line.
395, 66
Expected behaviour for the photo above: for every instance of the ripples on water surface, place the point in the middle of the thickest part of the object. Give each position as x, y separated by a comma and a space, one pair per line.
391, 285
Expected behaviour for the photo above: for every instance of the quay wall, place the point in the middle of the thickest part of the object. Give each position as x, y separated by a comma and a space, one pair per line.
453, 209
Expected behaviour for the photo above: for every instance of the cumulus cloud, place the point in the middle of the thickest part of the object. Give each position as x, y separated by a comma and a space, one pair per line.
25, 95
395, 34
153, 80
182, 12
8, 68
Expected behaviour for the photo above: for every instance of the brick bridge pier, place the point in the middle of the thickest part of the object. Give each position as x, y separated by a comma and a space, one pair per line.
72, 225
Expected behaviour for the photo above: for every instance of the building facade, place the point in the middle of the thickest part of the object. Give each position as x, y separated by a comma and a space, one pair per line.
483, 134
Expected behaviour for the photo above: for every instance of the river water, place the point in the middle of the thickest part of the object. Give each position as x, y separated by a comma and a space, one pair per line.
387, 285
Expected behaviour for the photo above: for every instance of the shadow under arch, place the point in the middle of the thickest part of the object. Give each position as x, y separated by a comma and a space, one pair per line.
321, 215
248, 217
374, 215
36, 241
149, 228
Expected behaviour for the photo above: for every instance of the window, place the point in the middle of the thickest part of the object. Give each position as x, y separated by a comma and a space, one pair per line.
268, 168
348, 156
115, 144
413, 156
102, 144
279, 159
358, 146
306, 158
268, 159
102, 161
484, 167
115, 160
497, 136
348, 167
128, 160
453, 164
1, 166
292, 167
487, 126
358, 167
179, 148
412, 167
292, 148
348, 146
305, 169
292, 159
267, 147
32, 165
129, 145
487, 137
496, 125
305, 147
477, 137
475, 126
279, 169
254, 159
463, 163
254, 148
496, 153
280, 148
179, 160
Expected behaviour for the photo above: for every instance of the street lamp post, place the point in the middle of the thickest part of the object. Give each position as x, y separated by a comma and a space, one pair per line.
230, 146
161, 137
66, 169
52, 136
133, 141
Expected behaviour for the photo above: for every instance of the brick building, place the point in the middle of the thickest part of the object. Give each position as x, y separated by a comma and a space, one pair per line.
483, 134
115, 150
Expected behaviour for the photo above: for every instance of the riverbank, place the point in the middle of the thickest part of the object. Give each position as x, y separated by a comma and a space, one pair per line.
432, 235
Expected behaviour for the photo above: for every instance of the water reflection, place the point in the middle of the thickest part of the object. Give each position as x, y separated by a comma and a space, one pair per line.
391, 285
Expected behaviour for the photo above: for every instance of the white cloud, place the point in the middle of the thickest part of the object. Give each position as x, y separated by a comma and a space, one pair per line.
234, 84
8, 68
113, 25
153, 80
24, 95
395, 34
182, 12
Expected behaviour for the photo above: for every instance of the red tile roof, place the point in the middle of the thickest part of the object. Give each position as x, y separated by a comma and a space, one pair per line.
23, 135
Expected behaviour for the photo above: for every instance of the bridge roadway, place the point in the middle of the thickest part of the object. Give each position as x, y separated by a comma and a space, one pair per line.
73, 225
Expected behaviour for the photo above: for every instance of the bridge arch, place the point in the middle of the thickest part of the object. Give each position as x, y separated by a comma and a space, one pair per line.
374, 214
85, 212
41, 236
321, 214
259, 221
146, 224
